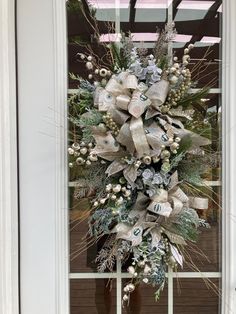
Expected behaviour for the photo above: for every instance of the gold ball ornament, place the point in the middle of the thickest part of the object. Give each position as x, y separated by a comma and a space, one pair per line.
147, 160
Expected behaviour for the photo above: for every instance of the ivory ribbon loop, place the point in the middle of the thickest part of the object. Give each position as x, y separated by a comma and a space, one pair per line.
114, 87
110, 156
117, 115
174, 180
139, 137
156, 237
122, 101
160, 196
138, 104
140, 205
158, 93
131, 82
105, 100
151, 112
177, 205
122, 76
105, 143
198, 202
177, 256
125, 137
177, 123
115, 167
136, 235
197, 140
96, 95
156, 136
163, 209
179, 194
130, 174
126, 232
142, 87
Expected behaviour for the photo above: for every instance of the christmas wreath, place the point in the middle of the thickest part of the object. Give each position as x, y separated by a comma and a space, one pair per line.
140, 160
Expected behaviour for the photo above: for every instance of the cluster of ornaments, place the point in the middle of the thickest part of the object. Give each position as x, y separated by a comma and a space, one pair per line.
82, 154
115, 192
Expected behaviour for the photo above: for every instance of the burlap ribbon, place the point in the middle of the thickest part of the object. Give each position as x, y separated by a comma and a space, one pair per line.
130, 172
139, 139
117, 100
149, 210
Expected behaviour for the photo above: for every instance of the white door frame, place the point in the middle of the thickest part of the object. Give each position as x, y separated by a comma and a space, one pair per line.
8, 163
229, 154
42, 94
42, 119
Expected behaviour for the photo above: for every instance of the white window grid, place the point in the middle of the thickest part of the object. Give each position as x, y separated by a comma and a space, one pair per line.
119, 275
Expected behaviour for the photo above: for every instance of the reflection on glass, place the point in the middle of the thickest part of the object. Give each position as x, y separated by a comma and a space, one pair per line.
143, 302
193, 296
93, 296
197, 22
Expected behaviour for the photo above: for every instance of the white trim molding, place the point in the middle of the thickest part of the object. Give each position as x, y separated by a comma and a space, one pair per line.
229, 164
42, 111
9, 297
61, 164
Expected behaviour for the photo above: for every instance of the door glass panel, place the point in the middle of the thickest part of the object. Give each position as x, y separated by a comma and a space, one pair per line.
193, 296
142, 301
197, 22
93, 296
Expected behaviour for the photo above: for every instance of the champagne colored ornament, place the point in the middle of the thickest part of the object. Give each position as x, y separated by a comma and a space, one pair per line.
102, 127
131, 287
93, 157
89, 65
120, 200
103, 200
125, 297
155, 159
103, 72
75, 146
71, 151
117, 188
173, 80
147, 160
83, 151
80, 161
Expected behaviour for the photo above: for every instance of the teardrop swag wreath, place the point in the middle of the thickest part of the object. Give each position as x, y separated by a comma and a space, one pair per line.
138, 158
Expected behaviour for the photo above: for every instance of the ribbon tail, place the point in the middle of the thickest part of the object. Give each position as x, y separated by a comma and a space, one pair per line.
198, 202
130, 174
125, 138
139, 137
115, 167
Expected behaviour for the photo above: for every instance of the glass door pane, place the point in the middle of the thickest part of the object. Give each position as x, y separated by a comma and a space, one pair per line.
197, 23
